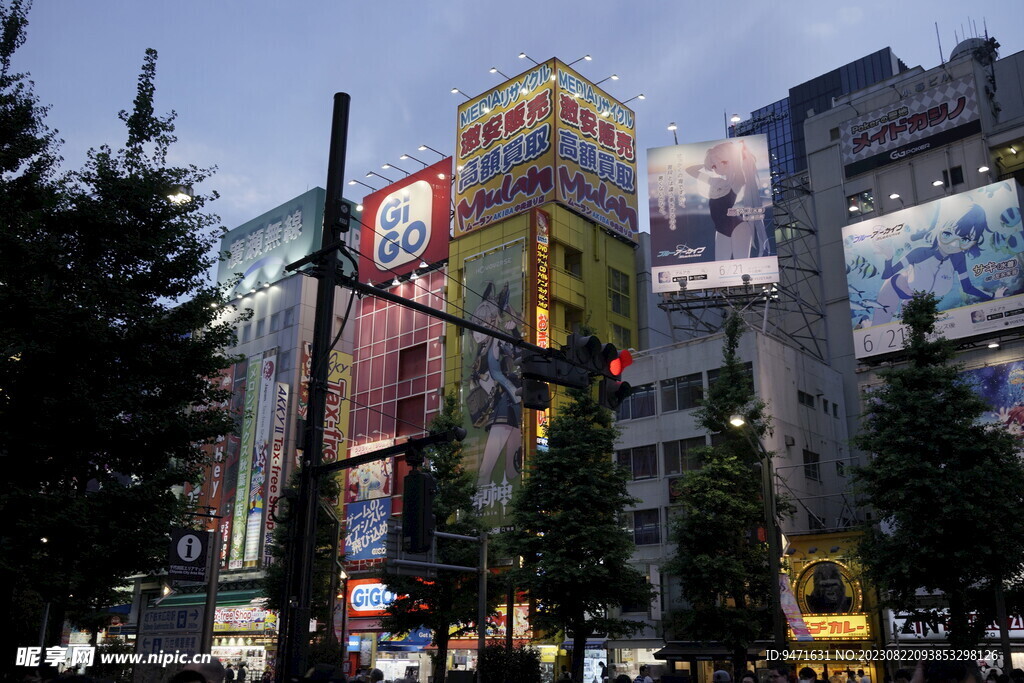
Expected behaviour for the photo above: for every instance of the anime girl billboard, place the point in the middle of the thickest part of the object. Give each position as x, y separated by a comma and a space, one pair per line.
1002, 387
965, 249
492, 380
710, 206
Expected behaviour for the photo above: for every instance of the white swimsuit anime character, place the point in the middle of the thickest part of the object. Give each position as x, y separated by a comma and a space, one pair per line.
935, 267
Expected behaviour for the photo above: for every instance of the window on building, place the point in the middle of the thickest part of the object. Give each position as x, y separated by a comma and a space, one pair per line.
681, 455
259, 327
814, 522
621, 336
805, 399
835, 410
573, 261
812, 466
840, 468
246, 333
646, 527
573, 318
275, 322
954, 175
641, 462
748, 370
860, 203
681, 393
412, 362
618, 291
289, 317
824, 405
638, 404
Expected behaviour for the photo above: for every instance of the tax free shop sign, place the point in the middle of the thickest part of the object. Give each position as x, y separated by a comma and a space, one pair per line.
406, 223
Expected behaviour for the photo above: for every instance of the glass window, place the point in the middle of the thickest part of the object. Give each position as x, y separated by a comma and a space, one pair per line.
803, 398
680, 456
246, 331
573, 261
621, 336
275, 322
618, 291
646, 527
812, 467
681, 393
638, 404
860, 203
573, 318
840, 468
259, 327
641, 462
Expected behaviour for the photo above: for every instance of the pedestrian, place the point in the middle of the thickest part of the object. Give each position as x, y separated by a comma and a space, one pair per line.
838, 677
644, 676
808, 675
721, 676
863, 677
240, 673
212, 671
229, 674
622, 678
268, 675
778, 673
565, 676
749, 677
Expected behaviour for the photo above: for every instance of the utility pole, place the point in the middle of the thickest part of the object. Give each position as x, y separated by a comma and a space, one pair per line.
294, 637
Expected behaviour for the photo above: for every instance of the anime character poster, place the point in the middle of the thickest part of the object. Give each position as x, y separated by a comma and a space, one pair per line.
491, 378
1002, 387
965, 249
710, 208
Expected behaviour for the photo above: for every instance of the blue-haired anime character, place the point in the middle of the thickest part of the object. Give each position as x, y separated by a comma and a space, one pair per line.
935, 267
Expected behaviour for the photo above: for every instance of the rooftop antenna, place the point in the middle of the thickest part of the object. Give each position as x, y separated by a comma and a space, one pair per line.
939, 41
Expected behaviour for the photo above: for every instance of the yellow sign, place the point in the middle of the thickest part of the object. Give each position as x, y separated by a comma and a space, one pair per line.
837, 627
546, 135
828, 587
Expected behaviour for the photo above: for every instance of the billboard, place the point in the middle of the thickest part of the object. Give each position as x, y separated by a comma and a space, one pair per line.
245, 461
1002, 387
275, 468
546, 135
257, 251
405, 223
491, 380
918, 123
710, 205
260, 461
366, 529
965, 249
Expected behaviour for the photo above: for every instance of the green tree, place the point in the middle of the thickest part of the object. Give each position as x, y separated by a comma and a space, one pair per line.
101, 372
451, 598
929, 459
723, 568
567, 528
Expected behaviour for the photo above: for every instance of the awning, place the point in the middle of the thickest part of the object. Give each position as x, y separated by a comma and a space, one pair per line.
223, 598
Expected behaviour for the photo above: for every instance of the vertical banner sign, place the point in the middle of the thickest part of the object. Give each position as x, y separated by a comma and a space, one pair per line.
336, 416
307, 370
546, 135
791, 608
260, 457
240, 515
234, 450
209, 494
275, 471
710, 205
540, 228
491, 378
965, 249
366, 529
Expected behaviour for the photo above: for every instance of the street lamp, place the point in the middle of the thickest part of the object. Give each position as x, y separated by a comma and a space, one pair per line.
770, 524
424, 148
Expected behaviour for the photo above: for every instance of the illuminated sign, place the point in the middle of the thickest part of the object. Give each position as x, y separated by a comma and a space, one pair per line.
406, 223
965, 249
541, 226
244, 619
710, 205
827, 587
258, 250
919, 123
275, 470
547, 134
368, 598
366, 529
837, 626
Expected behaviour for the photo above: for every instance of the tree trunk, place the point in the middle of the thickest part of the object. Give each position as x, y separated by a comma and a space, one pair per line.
580, 631
441, 657
960, 634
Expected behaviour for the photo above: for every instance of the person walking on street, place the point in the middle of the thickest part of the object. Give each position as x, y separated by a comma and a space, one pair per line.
240, 674
229, 674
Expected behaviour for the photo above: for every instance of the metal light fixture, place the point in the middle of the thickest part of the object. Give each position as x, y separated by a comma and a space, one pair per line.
1013, 150
424, 148
735, 118
180, 194
613, 77
584, 57
388, 166
395, 282
983, 169
496, 70
737, 420
937, 183
360, 182
641, 96
456, 90
423, 264
672, 127
894, 195
371, 173
409, 156
523, 55
993, 345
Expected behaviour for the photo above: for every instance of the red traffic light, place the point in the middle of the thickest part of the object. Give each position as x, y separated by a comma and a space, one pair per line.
617, 365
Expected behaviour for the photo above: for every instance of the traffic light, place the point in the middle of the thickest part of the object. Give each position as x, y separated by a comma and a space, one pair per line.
611, 391
536, 395
418, 511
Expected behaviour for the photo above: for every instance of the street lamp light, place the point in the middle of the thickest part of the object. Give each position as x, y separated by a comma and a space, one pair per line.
771, 526
409, 156
360, 182
424, 148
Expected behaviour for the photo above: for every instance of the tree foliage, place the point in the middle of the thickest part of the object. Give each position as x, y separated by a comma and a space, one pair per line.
723, 568
931, 460
567, 527
451, 598
105, 382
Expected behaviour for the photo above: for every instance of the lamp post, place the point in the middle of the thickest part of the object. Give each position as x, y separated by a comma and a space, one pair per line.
771, 528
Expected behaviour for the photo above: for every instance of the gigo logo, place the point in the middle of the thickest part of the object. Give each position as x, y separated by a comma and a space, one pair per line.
403, 225
372, 597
